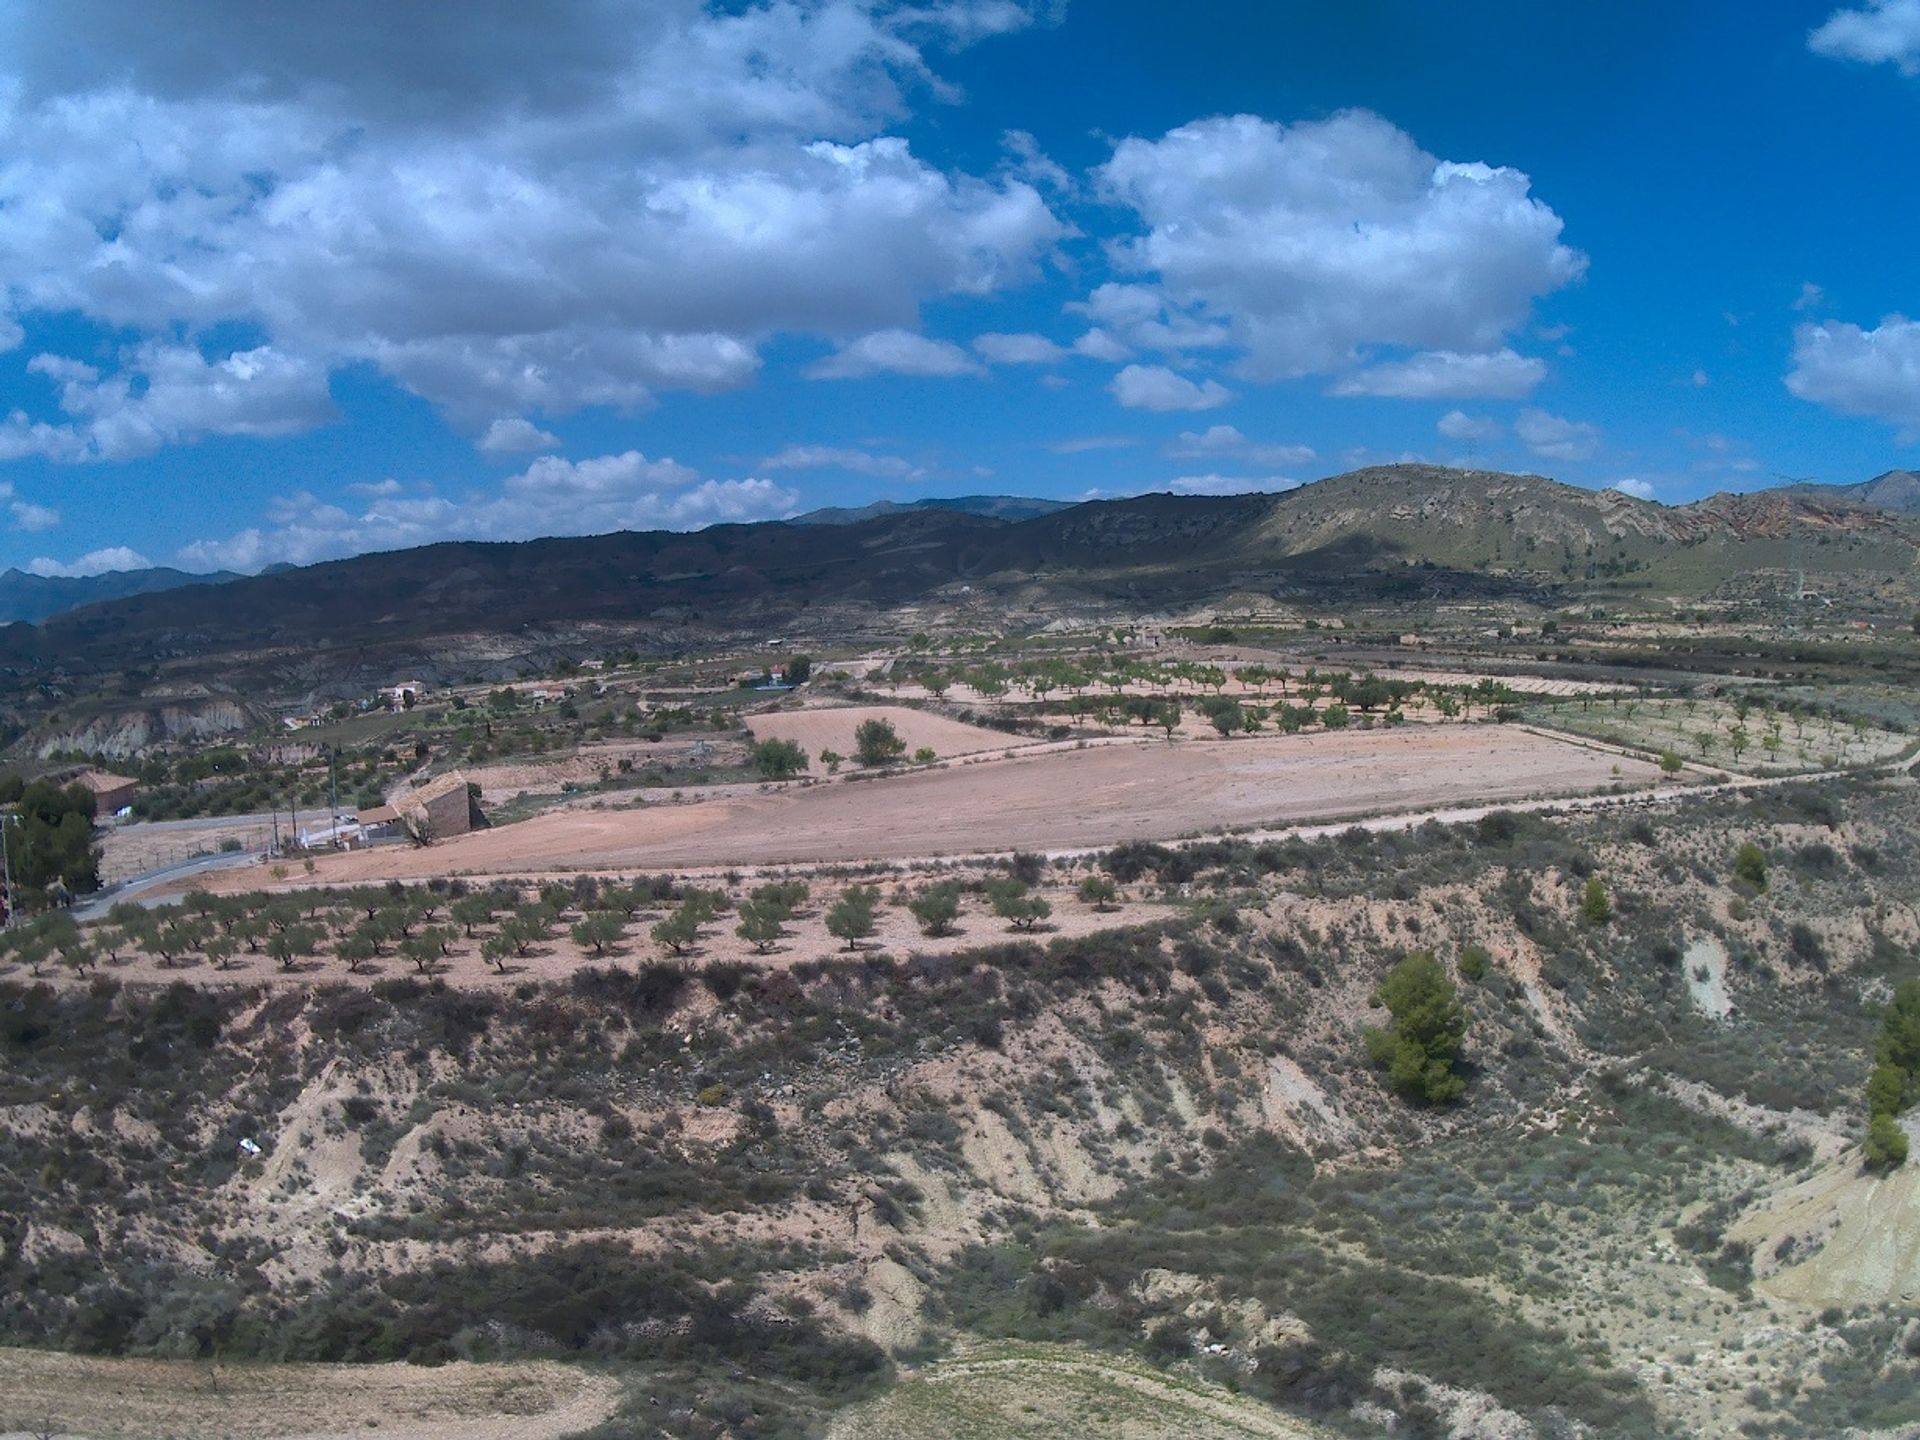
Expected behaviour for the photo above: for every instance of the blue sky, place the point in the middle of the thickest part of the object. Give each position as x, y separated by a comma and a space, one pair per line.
284, 285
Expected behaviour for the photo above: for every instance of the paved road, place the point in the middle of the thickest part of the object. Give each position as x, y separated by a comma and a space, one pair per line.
96, 905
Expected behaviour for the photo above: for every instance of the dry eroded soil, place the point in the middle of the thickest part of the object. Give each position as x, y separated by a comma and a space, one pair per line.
79, 1396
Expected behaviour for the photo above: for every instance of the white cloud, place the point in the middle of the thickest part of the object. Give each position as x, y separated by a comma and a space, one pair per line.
1700, 380
1448, 375
1639, 489
1810, 297
894, 352
834, 457
380, 488
94, 562
26, 514
1556, 438
1310, 243
1154, 387
1226, 441
1080, 444
1458, 425
12, 337
552, 496
1097, 344
1861, 372
1032, 164
1233, 484
1885, 31
513, 434
165, 394
31, 517
524, 212
1022, 349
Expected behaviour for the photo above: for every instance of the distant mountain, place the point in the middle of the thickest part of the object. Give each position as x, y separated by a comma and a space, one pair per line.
38, 597
994, 507
1897, 490
1396, 535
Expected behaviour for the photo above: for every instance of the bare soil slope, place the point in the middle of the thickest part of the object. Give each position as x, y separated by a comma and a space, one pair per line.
1038, 1392
80, 1396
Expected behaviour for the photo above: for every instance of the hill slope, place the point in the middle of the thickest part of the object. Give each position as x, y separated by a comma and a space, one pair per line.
1896, 490
36, 597
1393, 533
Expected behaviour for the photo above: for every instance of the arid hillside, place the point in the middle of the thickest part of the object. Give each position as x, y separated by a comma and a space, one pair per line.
1395, 532
780, 1192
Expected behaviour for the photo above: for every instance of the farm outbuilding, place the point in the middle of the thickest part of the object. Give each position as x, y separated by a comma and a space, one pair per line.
111, 792
441, 807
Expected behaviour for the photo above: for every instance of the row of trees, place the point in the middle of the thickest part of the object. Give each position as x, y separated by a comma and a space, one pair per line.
423, 925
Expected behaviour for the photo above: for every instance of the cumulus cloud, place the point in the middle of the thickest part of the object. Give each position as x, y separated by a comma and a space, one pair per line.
1861, 372
1448, 375
1233, 484
94, 562
1884, 32
1097, 344
513, 434
165, 394
837, 457
1458, 425
895, 352
1556, 438
1155, 387
1639, 489
1021, 349
551, 496
1308, 244
26, 514
1226, 442
522, 212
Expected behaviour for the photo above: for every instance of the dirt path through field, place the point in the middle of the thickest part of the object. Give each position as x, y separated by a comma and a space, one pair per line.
1053, 801
77, 1396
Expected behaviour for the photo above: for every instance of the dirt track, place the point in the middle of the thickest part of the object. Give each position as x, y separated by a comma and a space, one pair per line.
80, 1396
1061, 800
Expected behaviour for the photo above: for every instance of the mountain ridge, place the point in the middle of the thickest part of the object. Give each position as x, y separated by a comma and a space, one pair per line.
29, 597
1386, 534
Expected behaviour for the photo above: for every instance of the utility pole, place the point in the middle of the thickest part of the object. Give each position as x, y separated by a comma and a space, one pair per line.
1796, 562
7, 820
333, 782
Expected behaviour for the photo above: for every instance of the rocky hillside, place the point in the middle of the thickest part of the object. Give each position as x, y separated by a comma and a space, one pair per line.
1415, 532
1167, 1142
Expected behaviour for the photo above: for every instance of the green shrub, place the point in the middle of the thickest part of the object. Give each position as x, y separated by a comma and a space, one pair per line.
1886, 1144
1750, 865
1596, 907
1421, 1049
1475, 962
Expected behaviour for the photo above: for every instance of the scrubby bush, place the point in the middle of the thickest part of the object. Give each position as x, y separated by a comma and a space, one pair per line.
1422, 1046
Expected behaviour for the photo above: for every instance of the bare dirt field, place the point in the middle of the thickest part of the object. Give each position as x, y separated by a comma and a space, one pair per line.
832, 729
546, 775
128, 850
77, 1396
1051, 801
